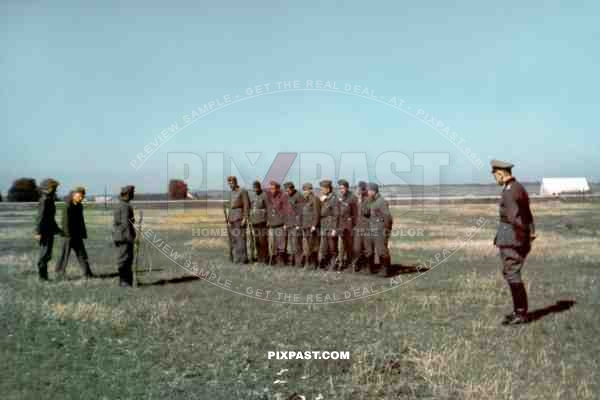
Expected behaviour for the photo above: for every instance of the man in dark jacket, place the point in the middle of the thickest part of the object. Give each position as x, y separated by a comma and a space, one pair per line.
124, 234
348, 219
45, 226
74, 231
380, 218
239, 211
258, 218
276, 214
515, 233
293, 223
330, 215
359, 242
311, 216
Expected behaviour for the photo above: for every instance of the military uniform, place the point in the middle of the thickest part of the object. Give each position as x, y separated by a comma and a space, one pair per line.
258, 218
347, 222
73, 226
46, 226
275, 220
311, 215
359, 240
379, 217
330, 215
513, 239
293, 223
123, 235
238, 216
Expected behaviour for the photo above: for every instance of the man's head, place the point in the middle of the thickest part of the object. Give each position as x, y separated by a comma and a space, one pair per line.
343, 184
307, 189
257, 187
275, 187
78, 194
49, 185
326, 186
502, 171
232, 181
362, 188
289, 188
127, 192
373, 189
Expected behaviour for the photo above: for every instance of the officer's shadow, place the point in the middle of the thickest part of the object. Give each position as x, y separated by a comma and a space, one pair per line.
559, 306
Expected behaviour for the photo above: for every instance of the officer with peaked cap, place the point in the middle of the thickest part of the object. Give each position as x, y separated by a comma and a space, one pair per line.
379, 217
348, 219
311, 216
124, 234
330, 215
516, 231
46, 226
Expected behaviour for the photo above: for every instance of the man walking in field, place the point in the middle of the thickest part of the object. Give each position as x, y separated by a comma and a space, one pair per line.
73, 226
45, 226
238, 217
258, 218
516, 231
311, 215
123, 235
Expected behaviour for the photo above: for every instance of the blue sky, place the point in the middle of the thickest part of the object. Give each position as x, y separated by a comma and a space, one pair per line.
87, 88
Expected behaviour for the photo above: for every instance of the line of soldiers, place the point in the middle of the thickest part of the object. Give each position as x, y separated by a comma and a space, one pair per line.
289, 228
74, 232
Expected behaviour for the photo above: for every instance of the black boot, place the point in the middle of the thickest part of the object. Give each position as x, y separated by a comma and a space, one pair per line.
519, 315
43, 273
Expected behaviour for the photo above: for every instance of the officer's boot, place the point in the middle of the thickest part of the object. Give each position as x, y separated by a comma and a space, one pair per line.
519, 295
43, 272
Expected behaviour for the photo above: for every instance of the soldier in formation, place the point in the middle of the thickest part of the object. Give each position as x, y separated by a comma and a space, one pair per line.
348, 218
311, 217
239, 209
293, 223
258, 219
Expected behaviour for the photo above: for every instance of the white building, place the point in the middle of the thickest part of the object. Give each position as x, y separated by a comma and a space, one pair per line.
557, 186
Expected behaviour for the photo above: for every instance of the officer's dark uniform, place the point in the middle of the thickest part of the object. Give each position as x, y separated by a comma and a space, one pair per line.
513, 239
311, 216
275, 220
238, 216
347, 222
123, 235
45, 225
73, 226
330, 216
379, 217
359, 240
293, 223
258, 218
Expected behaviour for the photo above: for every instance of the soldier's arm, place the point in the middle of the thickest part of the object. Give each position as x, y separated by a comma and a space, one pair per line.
354, 211
511, 203
317, 214
337, 215
66, 220
40, 216
387, 214
245, 204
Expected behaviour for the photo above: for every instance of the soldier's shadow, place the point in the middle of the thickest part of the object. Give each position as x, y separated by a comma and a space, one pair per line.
400, 269
559, 306
161, 282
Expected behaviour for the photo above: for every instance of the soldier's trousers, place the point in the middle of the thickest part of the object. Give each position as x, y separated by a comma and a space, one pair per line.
347, 246
278, 245
238, 239
293, 239
377, 250
46, 244
125, 261
359, 244
261, 240
75, 244
328, 249
310, 246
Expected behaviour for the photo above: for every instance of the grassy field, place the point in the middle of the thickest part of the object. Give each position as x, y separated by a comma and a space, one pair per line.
426, 334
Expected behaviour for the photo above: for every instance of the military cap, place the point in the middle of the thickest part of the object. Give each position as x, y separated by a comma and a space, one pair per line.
256, 184
497, 164
289, 185
79, 189
362, 185
343, 182
274, 183
374, 187
232, 179
127, 189
325, 183
307, 186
